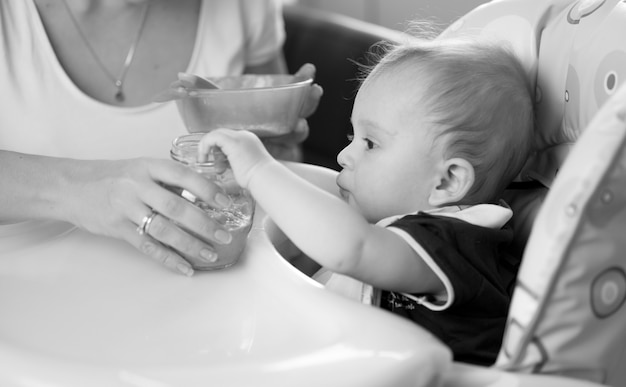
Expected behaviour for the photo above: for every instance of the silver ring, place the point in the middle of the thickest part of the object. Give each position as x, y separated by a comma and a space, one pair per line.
145, 223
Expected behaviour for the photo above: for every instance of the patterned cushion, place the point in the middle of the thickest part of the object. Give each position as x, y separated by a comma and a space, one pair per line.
568, 316
567, 47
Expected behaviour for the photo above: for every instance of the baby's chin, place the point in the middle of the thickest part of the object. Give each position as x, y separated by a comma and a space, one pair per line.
343, 194
349, 199
372, 218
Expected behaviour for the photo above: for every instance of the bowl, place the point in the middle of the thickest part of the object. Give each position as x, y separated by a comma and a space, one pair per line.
268, 105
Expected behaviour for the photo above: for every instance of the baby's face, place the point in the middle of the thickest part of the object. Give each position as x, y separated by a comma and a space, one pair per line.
389, 167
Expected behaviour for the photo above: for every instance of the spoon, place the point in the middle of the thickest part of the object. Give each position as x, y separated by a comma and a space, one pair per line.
192, 81
186, 85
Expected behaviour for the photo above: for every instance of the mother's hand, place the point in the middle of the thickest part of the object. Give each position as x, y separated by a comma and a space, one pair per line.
127, 199
285, 147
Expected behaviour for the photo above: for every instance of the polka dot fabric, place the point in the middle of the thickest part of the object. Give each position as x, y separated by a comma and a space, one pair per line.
568, 315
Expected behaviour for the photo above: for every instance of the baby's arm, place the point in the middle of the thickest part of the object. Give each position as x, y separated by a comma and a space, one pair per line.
322, 225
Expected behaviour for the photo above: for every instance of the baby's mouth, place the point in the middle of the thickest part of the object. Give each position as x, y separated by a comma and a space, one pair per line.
343, 193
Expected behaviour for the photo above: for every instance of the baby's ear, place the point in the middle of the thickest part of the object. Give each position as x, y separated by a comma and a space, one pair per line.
455, 180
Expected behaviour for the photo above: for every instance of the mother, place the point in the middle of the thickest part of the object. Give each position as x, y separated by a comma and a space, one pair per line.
80, 139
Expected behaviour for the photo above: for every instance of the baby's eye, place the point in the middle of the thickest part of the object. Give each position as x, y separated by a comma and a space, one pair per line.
369, 144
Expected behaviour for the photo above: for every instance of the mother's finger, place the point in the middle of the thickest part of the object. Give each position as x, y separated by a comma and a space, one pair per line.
301, 132
296, 136
154, 249
312, 101
175, 174
305, 71
185, 213
196, 251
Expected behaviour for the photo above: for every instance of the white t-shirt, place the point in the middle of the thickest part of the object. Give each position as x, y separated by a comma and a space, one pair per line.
43, 112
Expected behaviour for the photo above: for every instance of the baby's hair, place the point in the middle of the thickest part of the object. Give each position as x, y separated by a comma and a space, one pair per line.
480, 96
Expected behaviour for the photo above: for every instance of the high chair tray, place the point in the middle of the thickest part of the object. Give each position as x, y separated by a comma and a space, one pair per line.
81, 309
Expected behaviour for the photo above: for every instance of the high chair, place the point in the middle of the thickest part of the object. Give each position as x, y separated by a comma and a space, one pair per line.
567, 316
81, 309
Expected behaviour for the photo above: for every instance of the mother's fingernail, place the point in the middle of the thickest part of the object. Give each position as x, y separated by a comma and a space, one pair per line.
186, 270
223, 236
208, 255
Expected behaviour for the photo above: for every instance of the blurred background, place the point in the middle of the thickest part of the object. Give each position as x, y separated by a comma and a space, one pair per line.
395, 13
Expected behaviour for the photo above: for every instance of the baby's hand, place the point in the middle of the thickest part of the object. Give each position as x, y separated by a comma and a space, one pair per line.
244, 150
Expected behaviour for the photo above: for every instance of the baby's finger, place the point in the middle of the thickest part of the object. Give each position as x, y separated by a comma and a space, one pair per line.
222, 139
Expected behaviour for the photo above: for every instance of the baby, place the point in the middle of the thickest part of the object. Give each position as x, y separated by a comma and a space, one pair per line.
440, 129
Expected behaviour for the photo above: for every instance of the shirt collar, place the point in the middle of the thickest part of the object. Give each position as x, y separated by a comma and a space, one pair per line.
485, 215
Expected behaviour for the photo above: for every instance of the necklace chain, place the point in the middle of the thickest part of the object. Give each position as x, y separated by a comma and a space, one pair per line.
119, 80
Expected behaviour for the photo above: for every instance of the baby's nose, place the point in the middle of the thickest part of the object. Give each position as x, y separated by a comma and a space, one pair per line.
343, 158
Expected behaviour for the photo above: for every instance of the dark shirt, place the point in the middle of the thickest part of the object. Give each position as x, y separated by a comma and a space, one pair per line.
482, 274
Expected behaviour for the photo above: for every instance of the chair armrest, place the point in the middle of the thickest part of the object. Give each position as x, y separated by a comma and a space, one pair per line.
465, 375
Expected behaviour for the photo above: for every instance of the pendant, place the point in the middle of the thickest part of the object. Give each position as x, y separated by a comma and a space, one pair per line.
119, 96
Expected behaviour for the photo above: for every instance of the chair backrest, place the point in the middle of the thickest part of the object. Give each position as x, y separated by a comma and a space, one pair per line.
335, 44
568, 315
